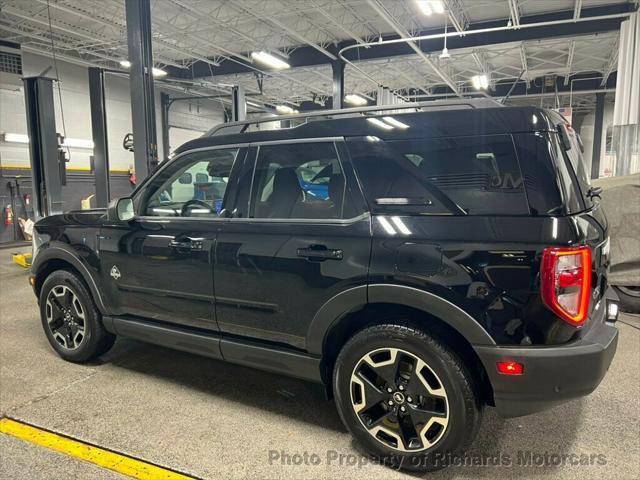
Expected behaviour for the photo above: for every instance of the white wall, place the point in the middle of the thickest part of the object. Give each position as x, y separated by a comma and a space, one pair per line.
197, 117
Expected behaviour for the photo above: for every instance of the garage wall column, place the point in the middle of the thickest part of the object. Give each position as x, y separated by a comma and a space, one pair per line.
337, 67
597, 135
141, 85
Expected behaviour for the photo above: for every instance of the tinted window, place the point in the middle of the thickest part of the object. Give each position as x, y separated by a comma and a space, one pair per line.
192, 186
442, 176
299, 180
572, 194
536, 152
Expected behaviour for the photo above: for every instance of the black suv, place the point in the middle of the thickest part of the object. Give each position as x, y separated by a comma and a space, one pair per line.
420, 262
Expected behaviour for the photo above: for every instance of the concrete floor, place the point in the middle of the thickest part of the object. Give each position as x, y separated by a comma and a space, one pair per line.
215, 420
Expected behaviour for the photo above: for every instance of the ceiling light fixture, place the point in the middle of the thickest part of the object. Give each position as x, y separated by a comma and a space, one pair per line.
480, 82
286, 109
354, 99
425, 7
15, 138
445, 51
429, 7
270, 60
437, 6
379, 123
157, 72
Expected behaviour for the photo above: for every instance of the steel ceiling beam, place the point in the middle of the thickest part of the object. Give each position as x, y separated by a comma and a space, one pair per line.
611, 64
514, 12
457, 16
305, 56
68, 31
393, 23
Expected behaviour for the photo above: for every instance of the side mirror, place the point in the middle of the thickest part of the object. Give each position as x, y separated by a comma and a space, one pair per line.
120, 210
594, 192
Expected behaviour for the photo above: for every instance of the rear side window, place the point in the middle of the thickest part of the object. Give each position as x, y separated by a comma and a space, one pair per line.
300, 181
471, 175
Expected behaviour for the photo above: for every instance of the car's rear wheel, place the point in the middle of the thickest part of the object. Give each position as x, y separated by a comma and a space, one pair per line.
70, 319
629, 298
406, 397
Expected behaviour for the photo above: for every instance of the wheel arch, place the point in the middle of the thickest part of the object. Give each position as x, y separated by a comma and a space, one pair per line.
54, 258
353, 310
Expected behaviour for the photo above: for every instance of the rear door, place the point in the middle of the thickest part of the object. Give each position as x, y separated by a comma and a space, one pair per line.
299, 236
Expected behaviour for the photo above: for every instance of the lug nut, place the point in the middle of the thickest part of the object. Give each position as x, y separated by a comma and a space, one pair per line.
390, 402
401, 387
409, 399
402, 409
389, 390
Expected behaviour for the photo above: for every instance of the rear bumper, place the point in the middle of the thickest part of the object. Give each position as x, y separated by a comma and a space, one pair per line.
553, 375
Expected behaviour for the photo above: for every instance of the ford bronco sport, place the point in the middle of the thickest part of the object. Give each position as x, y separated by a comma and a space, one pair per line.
421, 263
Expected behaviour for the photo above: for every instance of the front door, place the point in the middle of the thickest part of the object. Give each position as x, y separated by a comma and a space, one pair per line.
300, 235
159, 266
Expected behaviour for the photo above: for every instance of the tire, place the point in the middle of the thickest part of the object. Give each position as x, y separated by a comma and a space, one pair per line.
70, 319
629, 298
421, 443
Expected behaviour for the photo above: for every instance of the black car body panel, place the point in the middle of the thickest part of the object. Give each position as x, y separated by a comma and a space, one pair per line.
270, 292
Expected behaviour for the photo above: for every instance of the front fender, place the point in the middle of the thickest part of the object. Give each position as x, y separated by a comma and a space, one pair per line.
57, 251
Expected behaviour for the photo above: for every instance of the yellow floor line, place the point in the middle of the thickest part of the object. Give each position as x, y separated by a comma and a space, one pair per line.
89, 453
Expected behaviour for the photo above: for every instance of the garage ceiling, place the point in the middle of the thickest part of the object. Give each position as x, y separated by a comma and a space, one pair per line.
215, 33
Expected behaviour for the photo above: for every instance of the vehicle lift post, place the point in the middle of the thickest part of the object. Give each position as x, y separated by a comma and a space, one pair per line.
47, 161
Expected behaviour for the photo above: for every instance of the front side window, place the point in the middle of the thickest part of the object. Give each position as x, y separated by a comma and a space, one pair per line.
299, 181
193, 186
471, 175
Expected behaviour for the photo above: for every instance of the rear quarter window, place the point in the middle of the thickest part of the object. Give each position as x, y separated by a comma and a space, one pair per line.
470, 175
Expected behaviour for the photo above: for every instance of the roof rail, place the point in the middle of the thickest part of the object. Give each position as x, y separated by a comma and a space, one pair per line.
241, 127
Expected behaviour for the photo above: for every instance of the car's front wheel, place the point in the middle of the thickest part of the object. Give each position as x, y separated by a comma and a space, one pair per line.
406, 397
70, 319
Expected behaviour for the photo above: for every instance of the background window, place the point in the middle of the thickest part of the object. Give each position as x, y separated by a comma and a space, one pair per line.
473, 175
193, 186
299, 180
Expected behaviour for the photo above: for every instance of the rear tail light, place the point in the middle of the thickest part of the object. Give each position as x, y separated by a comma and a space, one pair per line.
565, 278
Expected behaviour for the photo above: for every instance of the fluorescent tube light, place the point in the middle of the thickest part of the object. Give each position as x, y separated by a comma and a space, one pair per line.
379, 123
284, 109
157, 72
395, 123
437, 6
125, 63
15, 138
429, 7
480, 82
77, 143
425, 7
354, 99
270, 60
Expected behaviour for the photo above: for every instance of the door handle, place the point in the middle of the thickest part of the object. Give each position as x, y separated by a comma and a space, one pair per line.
320, 253
187, 244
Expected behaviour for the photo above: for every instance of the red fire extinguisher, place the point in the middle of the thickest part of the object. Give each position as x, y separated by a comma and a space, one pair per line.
8, 215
